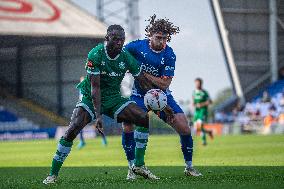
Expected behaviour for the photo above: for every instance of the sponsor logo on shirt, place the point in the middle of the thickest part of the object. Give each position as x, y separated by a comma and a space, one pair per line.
170, 68
113, 74
150, 69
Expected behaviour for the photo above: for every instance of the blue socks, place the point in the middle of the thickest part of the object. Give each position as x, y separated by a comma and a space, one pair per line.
81, 137
187, 149
128, 144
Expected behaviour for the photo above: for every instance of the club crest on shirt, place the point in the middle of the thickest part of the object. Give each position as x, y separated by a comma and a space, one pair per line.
90, 64
163, 61
121, 65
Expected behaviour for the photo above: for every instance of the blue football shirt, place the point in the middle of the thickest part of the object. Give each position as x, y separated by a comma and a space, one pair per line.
158, 64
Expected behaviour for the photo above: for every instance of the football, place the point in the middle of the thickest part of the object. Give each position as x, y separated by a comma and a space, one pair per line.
155, 99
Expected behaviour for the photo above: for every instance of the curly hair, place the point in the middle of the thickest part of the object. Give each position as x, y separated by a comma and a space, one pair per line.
161, 25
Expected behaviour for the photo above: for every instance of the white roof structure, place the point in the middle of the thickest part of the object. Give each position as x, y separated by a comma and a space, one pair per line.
47, 18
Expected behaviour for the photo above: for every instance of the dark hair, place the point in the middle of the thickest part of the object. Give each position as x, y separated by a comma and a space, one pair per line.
161, 25
114, 27
199, 79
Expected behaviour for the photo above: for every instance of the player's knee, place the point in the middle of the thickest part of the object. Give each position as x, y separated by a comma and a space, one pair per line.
79, 120
199, 122
143, 120
127, 127
185, 130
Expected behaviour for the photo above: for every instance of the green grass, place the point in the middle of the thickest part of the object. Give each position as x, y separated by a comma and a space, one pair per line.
230, 161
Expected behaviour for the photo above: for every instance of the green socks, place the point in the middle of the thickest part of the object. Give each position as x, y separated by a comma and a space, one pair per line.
63, 149
203, 133
141, 135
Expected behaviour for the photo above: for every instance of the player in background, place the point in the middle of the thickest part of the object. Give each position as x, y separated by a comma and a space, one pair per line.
201, 100
157, 61
106, 66
82, 141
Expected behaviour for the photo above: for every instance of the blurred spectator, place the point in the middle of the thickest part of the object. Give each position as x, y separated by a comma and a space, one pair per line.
269, 120
256, 116
281, 101
281, 73
281, 118
265, 111
265, 97
222, 117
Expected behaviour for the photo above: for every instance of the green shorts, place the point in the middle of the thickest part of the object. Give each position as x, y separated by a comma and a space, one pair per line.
110, 106
200, 116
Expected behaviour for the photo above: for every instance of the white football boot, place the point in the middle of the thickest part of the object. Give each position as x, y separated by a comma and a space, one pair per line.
50, 179
190, 171
130, 175
144, 172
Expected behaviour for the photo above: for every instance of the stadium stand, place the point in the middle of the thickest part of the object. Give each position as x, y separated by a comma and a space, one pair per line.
263, 114
42, 55
10, 121
6, 116
252, 37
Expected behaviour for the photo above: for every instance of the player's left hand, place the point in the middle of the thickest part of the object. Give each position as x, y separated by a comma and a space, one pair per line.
169, 114
144, 83
99, 123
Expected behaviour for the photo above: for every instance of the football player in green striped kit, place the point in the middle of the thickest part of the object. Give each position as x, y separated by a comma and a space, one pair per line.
201, 101
106, 66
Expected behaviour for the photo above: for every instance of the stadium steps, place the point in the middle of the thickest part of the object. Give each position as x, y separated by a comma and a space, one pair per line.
31, 111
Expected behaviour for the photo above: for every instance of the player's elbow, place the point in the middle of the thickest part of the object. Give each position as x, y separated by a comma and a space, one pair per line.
164, 87
166, 83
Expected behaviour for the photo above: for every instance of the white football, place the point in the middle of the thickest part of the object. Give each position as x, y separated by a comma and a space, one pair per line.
155, 99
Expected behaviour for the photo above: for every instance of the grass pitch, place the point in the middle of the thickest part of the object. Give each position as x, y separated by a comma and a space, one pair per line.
227, 162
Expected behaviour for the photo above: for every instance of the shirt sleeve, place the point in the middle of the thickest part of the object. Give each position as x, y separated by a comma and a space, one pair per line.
132, 65
169, 69
93, 62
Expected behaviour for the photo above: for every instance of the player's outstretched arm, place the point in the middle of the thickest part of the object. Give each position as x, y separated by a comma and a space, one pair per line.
96, 98
161, 82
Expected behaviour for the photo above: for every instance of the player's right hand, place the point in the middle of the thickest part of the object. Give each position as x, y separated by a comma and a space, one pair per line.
169, 114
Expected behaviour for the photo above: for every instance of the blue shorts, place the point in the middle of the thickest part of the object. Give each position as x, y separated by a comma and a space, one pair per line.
170, 99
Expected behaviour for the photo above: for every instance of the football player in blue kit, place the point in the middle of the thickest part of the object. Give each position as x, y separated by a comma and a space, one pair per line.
157, 61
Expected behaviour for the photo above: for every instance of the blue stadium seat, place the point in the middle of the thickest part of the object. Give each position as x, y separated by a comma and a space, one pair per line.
6, 116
